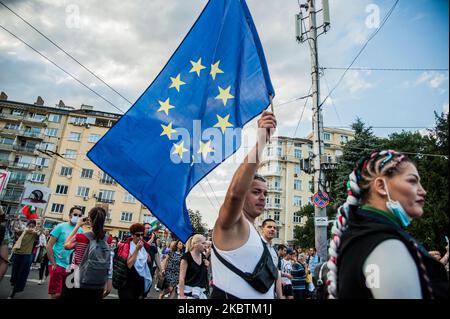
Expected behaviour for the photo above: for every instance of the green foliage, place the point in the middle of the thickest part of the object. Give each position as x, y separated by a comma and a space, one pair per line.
196, 221
434, 224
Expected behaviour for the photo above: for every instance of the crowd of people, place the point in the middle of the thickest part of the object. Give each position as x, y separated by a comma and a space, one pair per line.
241, 261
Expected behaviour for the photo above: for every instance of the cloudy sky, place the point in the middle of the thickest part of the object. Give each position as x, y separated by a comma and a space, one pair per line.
128, 42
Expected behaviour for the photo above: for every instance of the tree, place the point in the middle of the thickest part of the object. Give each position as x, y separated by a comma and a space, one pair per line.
363, 144
433, 169
304, 235
196, 221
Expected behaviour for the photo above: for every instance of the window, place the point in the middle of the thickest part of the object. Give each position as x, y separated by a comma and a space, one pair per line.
83, 191
55, 118
74, 136
12, 126
57, 208
268, 201
37, 177
51, 132
62, 189
87, 173
77, 120
277, 183
106, 196
17, 112
297, 169
298, 184
47, 146
269, 151
122, 234
40, 161
297, 201
279, 151
277, 200
310, 186
128, 198
72, 154
344, 139
327, 136
93, 138
126, 217
297, 218
298, 153
106, 179
276, 216
4, 156
6, 141
82, 208
65, 171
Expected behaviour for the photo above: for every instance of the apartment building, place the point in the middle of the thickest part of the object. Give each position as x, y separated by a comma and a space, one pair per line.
289, 186
48, 146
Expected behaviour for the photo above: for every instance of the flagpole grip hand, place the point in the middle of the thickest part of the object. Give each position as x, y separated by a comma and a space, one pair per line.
267, 124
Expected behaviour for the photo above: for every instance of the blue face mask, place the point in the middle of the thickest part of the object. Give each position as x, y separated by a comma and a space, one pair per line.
396, 209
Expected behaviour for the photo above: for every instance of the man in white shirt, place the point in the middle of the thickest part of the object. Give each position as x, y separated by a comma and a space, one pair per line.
286, 268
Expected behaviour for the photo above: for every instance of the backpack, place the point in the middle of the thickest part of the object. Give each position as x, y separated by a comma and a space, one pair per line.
94, 266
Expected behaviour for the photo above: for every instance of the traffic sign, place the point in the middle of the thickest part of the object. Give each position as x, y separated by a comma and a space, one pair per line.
321, 221
321, 199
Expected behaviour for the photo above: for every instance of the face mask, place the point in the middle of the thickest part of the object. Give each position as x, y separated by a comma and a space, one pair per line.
396, 208
74, 219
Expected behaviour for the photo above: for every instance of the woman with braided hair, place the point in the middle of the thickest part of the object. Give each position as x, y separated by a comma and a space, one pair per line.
371, 254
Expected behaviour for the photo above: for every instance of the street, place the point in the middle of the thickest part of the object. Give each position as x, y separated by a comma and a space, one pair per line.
34, 291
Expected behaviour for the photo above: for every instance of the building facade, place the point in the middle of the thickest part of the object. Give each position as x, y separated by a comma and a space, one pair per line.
290, 185
48, 146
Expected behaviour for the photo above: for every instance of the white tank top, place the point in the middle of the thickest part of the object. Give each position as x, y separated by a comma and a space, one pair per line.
245, 259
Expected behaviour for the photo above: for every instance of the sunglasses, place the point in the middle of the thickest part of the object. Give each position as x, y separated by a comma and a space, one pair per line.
139, 234
77, 215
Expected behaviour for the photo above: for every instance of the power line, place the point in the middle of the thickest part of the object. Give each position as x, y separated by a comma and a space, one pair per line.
332, 100
299, 120
72, 76
406, 153
360, 51
384, 69
295, 99
69, 55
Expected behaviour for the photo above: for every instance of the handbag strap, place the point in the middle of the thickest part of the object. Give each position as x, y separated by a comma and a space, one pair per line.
236, 270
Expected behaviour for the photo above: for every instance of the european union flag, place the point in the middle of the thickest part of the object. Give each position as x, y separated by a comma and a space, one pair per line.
187, 121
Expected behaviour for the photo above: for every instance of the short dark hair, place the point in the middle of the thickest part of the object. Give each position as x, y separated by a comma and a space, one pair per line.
260, 178
281, 247
137, 228
266, 221
33, 221
73, 208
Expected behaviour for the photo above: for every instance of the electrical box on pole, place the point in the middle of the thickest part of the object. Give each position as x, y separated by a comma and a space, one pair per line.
326, 15
298, 27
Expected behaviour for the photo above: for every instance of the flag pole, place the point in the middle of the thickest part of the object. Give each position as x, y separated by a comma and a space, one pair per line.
271, 103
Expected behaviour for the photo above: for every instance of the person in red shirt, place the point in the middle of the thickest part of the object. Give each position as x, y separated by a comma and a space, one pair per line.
80, 243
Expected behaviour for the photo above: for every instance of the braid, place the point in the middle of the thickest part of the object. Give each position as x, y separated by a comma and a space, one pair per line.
358, 185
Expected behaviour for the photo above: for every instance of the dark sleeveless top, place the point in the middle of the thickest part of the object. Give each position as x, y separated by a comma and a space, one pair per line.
365, 231
196, 275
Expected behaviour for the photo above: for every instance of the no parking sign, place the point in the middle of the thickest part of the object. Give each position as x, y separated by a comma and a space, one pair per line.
321, 199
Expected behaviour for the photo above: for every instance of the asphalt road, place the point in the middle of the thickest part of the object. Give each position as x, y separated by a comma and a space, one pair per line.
35, 291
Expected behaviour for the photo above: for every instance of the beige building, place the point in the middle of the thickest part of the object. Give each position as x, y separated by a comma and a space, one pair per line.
27, 133
289, 186
48, 146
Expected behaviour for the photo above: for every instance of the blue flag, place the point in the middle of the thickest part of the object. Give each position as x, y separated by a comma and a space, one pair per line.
188, 120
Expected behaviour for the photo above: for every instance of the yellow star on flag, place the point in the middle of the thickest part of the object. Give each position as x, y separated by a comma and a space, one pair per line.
165, 106
205, 149
224, 95
168, 130
197, 66
179, 149
223, 122
176, 82
215, 69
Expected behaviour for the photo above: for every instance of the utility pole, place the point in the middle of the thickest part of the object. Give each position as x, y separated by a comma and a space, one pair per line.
317, 121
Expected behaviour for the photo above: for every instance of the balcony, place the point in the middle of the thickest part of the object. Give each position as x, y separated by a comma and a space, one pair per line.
273, 206
20, 165
274, 189
40, 121
108, 181
24, 149
19, 182
270, 173
10, 131
6, 147
104, 200
9, 196
28, 133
